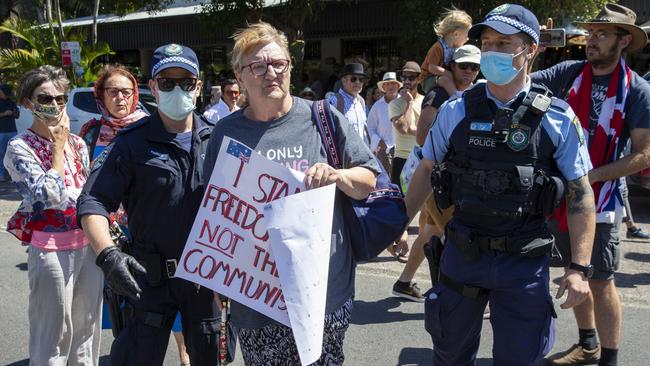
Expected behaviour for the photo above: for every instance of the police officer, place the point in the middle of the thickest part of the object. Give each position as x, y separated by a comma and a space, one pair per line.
155, 170
502, 155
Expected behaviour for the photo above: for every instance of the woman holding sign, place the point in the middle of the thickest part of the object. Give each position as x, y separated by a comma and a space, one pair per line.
279, 126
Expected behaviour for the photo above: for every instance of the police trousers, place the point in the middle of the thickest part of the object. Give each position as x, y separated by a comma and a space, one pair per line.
148, 323
521, 309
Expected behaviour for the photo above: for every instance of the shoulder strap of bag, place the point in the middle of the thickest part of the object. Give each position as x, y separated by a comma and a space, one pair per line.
322, 116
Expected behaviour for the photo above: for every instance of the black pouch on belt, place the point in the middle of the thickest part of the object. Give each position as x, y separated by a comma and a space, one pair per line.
538, 247
153, 264
462, 239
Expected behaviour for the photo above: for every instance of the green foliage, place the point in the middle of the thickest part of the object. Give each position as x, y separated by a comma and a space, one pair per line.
417, 17
42, 47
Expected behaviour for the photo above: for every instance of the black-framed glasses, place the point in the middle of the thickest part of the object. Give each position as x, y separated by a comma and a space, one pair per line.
359, 79
468, 65
168, 84
408, 78
114, 92
47, 99
259, 68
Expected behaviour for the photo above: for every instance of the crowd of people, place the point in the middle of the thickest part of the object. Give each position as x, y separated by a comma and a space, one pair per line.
509, 174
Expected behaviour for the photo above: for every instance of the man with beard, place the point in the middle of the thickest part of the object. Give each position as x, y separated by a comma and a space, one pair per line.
612, 104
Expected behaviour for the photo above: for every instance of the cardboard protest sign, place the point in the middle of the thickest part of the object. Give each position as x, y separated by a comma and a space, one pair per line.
228, 247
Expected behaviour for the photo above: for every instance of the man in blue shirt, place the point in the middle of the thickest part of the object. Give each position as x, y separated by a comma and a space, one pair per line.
501, 155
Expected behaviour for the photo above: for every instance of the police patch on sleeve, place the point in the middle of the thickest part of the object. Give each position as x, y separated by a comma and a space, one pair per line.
99, 161
581, 136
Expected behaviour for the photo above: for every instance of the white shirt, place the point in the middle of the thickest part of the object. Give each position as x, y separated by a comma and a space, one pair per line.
218, 111
379, 125
354, 110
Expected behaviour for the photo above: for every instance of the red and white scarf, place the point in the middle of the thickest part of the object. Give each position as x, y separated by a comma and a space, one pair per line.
604, 148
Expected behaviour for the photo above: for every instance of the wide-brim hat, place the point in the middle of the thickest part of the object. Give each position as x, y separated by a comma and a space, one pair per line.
621, 17
353, 69
389, 77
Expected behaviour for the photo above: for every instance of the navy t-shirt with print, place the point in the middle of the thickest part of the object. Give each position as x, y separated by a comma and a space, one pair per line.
560, 77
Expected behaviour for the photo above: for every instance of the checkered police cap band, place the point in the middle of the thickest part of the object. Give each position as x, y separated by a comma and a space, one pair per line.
175, 59
519, 25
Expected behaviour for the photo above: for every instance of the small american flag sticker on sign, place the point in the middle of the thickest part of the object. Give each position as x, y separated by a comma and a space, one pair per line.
239, 151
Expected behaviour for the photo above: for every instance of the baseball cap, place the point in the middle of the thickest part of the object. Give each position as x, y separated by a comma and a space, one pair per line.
174, 55
467, 53
508, 19
411, 66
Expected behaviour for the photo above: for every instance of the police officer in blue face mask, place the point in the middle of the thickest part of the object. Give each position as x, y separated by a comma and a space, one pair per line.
155, 170
504, 155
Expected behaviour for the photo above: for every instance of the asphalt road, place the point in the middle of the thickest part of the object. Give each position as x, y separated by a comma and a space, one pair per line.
384, 329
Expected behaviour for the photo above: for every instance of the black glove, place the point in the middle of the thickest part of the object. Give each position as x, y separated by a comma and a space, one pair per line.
117, 267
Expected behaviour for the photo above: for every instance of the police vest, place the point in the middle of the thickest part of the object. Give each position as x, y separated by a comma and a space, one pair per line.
502, 174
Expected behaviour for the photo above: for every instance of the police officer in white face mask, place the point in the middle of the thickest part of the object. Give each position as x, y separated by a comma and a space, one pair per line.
154, 168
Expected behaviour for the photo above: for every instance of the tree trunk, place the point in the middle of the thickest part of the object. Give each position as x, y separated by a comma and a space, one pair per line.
95, 14
59, 20
48, 15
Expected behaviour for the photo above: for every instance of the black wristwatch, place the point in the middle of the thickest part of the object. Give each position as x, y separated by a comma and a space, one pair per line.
587, 270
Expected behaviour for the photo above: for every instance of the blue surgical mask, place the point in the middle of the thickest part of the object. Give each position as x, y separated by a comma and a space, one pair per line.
497, 66
176, 104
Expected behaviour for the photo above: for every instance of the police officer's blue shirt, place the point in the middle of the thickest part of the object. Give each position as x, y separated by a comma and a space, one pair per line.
559, 122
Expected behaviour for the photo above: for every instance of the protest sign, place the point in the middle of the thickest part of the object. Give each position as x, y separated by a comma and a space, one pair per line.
302, 249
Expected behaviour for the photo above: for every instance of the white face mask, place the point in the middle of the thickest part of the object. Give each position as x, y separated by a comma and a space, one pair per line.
176, 104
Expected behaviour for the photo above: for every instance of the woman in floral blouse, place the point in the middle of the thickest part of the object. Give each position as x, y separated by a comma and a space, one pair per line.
49, 166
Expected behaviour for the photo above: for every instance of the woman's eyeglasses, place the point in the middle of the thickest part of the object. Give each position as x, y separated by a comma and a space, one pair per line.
168, 84
47, 99
114, 92
259, 68
468, 65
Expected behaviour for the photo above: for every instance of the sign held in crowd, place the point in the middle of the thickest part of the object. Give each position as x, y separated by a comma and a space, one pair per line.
230, 251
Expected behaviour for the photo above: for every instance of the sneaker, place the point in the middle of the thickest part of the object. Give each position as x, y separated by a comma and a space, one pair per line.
576, 355
408, 290
637, 233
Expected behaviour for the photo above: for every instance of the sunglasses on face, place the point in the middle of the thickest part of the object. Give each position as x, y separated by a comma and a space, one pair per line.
232, 93
259, 68
468, 65
47, 99
114, 92
168, 84
408, 78
360, 79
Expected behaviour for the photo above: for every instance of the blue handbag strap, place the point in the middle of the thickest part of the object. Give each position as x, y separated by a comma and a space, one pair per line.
322, 116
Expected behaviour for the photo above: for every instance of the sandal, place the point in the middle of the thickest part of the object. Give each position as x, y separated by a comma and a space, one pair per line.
392, 249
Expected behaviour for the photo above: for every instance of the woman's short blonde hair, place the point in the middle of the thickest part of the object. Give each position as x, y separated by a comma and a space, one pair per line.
253, 36
452, 20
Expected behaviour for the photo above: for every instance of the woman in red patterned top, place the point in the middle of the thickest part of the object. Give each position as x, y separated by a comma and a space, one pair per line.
49, 166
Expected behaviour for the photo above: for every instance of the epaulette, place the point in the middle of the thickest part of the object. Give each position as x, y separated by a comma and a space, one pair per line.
134, 126
559, 104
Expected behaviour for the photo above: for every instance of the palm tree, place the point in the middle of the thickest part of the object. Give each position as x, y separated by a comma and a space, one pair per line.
41, 47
